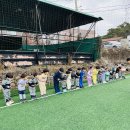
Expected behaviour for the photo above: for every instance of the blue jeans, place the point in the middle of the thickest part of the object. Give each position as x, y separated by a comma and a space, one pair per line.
56, 87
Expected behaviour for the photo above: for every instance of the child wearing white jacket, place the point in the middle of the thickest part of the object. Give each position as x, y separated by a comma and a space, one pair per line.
21, 87
68, 81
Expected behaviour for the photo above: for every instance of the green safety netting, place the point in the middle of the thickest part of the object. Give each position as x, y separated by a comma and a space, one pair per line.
88, 46
31, 15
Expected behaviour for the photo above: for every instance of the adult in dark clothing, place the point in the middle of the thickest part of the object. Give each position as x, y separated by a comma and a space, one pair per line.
56, 78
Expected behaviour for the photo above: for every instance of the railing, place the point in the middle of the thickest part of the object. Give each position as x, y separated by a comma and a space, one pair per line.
40, 57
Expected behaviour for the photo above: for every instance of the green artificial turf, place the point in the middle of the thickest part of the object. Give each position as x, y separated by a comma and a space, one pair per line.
104, 107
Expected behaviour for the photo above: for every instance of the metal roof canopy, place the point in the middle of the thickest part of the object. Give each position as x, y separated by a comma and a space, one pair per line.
22, 15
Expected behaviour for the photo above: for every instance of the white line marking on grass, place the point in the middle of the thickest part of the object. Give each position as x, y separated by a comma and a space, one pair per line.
51, 95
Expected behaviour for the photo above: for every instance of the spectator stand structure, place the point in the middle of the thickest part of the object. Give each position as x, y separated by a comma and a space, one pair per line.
40, 20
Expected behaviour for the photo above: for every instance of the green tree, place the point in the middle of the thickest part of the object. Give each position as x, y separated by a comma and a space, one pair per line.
122, 30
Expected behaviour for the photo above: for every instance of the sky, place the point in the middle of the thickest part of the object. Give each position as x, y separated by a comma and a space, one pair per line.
114, 12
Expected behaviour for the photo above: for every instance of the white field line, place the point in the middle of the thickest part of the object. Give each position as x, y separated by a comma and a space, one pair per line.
57, 94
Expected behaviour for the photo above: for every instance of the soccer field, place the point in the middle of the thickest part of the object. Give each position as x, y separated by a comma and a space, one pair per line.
104, 107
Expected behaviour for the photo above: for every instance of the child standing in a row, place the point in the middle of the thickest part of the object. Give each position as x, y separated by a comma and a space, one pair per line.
42, 79
21, 87
32, 85
103, 74
68, 81
89, 77
94, 75
77, 76
6, 87
82, 74
107, 75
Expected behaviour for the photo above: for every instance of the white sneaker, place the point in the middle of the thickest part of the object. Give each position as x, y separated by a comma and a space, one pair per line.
11, 101
8, 104
104, 82
64, 90
90, 85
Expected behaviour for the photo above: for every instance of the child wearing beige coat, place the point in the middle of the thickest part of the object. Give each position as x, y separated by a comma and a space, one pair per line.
42, 79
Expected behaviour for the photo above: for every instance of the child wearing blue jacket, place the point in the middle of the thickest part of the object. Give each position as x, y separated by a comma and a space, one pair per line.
82, 73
